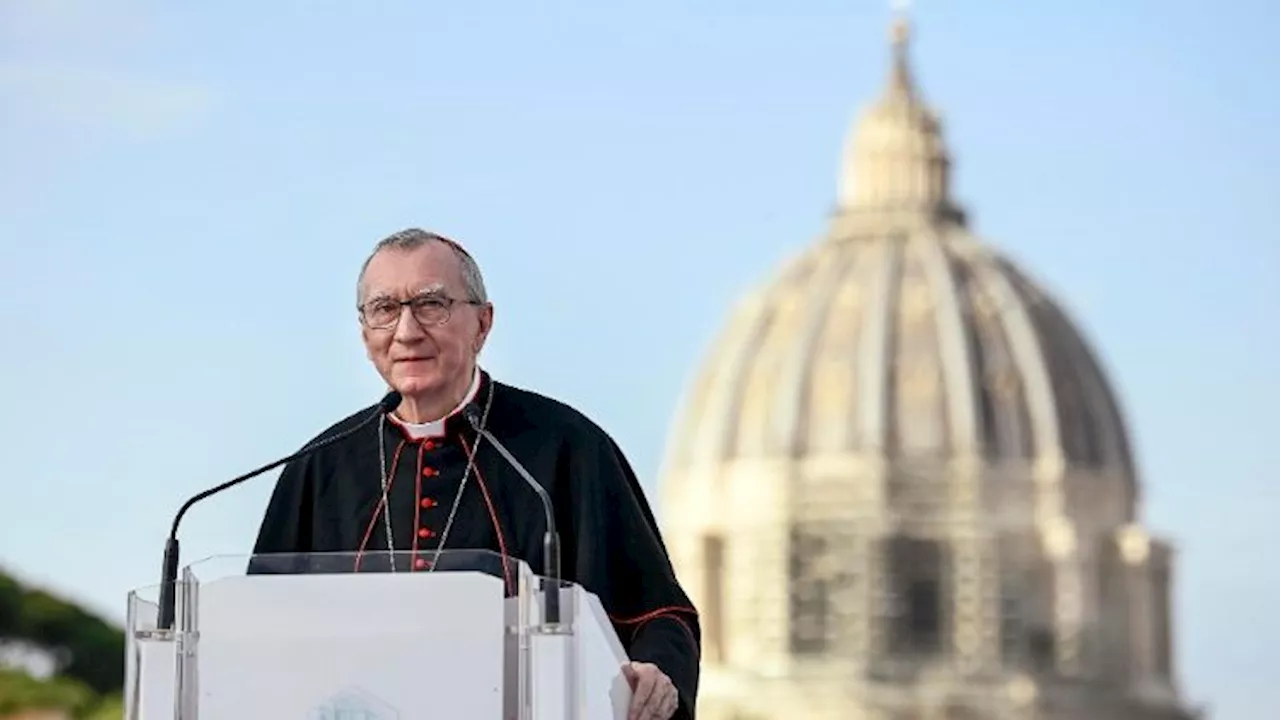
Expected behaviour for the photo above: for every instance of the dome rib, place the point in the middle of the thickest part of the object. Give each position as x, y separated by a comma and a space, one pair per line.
874, 360
829, 407
1029, 358
919, 419
1004, 417
757, 432
958, 377
1095, 421
711, 427
796, 374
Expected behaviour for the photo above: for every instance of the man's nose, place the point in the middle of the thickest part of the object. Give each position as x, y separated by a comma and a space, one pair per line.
408, 328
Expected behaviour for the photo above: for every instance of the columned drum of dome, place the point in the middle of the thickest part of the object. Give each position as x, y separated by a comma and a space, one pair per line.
901, 486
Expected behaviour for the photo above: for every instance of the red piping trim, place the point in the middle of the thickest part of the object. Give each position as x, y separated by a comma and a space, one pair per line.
417, 503
665, 610
671, 612
493, 517
679, 621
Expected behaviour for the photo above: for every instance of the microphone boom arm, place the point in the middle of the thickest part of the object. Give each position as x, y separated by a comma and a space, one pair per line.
169, 565
550, 542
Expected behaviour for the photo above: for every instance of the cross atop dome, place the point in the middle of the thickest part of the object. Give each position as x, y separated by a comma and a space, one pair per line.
900, 38
901, 9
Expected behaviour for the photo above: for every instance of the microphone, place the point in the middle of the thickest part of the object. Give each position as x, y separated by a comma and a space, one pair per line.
169, 566
551, 541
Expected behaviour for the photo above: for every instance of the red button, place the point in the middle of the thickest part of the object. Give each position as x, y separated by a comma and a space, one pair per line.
425, 533
419, 563
430, 444
428, 503
430, 472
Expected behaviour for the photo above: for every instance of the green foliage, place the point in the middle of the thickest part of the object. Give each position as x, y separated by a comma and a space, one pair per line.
94, 650
88, 650
11, 594
19, 691
110, 708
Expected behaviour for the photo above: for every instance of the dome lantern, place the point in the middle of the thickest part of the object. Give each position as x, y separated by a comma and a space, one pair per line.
896, 160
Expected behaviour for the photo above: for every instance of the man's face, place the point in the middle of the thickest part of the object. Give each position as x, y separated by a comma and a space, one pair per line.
415, 358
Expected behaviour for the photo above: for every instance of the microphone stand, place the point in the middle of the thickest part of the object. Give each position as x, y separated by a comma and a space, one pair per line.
169, 565
550, 541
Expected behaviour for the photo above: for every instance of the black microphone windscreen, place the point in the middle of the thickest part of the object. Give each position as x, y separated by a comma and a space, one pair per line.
472, 415
390, 402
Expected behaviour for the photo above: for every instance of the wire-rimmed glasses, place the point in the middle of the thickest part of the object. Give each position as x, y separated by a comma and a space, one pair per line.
428, 310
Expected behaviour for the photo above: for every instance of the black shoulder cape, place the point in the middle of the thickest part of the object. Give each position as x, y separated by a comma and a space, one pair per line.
330, 502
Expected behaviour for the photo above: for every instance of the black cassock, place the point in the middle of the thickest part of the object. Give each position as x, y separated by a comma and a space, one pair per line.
330, 502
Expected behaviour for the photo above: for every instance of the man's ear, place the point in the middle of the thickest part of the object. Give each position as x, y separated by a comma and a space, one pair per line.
485, 317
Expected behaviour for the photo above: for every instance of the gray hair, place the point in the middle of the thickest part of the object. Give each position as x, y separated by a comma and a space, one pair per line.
414, 238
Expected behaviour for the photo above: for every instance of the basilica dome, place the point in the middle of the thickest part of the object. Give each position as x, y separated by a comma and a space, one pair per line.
900, 458
902, 335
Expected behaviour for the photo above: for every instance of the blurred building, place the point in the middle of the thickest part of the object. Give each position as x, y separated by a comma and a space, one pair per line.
901, 487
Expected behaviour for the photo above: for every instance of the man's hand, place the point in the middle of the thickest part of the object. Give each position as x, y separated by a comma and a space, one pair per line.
653, 695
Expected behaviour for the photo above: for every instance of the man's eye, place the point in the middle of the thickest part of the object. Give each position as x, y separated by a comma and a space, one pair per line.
381, 308
429, 303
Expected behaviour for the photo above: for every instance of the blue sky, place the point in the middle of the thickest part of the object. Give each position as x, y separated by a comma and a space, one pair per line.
187, 190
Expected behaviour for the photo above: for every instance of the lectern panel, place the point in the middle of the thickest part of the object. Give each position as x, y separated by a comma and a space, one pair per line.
333, 646
374, 636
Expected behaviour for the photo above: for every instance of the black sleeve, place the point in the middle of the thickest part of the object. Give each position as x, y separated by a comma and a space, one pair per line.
619, 555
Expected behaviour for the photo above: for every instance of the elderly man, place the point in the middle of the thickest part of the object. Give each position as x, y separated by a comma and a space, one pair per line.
425, 480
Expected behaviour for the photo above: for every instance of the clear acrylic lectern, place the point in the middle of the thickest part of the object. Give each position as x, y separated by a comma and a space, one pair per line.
372, 637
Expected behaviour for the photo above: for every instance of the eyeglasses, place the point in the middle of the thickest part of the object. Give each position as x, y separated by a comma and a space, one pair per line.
384, 313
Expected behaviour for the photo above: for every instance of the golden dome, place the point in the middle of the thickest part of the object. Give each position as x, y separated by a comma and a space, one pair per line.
901, 479
901, 334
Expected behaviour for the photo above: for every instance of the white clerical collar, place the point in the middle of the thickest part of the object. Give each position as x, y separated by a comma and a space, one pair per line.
435, 428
